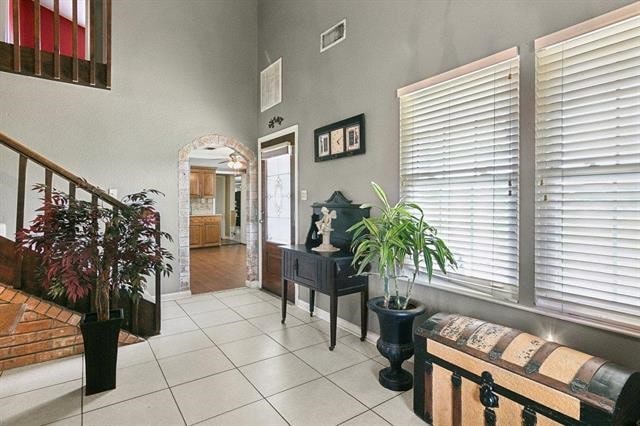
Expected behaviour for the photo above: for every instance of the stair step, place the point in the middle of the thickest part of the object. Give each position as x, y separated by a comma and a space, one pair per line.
10, 315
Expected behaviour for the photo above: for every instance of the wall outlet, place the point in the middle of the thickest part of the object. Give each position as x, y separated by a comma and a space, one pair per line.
303, 195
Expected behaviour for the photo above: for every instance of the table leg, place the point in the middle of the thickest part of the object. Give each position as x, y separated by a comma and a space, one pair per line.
312, 301
364, 314
284, 299
333, 314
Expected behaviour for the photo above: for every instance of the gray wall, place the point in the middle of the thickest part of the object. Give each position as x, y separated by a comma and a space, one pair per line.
391, 44
181, 69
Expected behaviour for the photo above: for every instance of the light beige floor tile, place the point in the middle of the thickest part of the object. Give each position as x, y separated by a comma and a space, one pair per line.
164, 346
131, 382
256, 309
266, 296
194, 298
326, 361
137, 353
399, 411
361, 381
250, 415
275, 301
177, 325
274, 375
42, 405
241, 299
323, 326
300, 314
69, 421
226, 333
205, 398
206, 305
317, 403
41, 375
170, 310
299, 337
253, 349
366, 419
194, 365
230, 293
268, 323
366, 348
154, 409
222, 316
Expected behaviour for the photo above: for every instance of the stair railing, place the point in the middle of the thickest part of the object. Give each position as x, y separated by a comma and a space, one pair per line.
75, 182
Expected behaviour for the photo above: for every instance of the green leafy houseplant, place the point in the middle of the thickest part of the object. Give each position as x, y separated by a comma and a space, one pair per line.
387, 241
85, 246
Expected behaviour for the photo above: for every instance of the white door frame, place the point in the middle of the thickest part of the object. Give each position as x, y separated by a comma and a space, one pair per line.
266, 138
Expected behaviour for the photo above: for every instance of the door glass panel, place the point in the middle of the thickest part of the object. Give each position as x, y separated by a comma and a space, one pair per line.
278, 199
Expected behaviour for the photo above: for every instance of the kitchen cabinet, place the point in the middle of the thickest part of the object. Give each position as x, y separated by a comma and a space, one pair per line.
205, 231
202, 182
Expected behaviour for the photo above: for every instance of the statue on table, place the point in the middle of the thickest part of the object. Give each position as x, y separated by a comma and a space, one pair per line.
324, 229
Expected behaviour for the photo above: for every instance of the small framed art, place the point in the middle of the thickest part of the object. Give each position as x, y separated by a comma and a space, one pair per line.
344, 138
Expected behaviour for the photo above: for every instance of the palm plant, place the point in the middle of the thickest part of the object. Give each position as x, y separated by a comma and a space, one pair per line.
397, 235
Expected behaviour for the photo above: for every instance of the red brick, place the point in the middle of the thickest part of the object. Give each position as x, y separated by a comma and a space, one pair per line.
54, 354
31, 316
74, 320
64, 315
27, 327
17, 362
19, 298
54, 311
42, 308
7, 295
22, 339
32, 302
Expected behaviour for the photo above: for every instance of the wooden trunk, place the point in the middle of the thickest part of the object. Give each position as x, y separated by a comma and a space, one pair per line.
470, 372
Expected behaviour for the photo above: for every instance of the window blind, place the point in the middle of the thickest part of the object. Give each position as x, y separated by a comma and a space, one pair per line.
459, 162
587, 258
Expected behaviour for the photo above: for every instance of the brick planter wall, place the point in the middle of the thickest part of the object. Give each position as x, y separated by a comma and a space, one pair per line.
33, 330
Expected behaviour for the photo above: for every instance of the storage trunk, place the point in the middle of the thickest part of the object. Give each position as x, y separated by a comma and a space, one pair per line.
470, 372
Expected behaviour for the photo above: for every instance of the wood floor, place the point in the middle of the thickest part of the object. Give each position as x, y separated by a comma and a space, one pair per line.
218, 268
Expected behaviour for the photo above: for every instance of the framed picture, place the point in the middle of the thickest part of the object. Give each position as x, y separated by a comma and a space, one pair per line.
324, 147
353, 138
333, 35
344, 138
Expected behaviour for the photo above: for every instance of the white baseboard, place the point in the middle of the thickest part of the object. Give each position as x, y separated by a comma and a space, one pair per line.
341, 323
176, 295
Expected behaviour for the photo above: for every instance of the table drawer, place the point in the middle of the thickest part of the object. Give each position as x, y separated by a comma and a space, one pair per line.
302, 269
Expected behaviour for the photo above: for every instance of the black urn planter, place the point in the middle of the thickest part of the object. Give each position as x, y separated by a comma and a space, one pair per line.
100, 350
396, 341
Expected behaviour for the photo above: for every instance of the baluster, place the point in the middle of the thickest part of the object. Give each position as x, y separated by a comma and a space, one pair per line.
37, 60
56, 39
75, 41
106, 35
16, 36
72, 191
158, 277
48, 182
22, 181
94, 290
92, 43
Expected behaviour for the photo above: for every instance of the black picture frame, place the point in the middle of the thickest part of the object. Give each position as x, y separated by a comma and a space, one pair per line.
350, 133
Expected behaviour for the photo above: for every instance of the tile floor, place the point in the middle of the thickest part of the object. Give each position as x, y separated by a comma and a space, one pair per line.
222, 359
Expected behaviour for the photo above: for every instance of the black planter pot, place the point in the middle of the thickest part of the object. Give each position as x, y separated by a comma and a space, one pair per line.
396, 341
101, 350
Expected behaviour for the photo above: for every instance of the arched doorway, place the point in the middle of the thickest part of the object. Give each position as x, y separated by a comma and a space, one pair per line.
251, 231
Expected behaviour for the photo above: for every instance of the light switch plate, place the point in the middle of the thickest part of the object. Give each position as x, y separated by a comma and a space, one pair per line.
303, 195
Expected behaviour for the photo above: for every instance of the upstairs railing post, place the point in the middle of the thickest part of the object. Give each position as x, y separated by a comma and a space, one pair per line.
22, 182
16, 36
56, 39
158, 278
37, 60
74, 42
92, 43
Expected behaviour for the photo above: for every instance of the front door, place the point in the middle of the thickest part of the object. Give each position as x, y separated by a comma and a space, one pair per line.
278, 226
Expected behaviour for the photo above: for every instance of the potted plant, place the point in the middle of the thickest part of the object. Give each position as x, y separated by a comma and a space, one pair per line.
385, 243
87, 247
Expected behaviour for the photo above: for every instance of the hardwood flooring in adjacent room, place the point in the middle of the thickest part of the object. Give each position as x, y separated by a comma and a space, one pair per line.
218, 268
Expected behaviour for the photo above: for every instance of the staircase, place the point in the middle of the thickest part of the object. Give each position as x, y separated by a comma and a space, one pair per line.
32, 328
35, 330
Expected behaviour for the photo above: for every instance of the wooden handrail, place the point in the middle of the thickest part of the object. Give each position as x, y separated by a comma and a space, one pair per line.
58, 170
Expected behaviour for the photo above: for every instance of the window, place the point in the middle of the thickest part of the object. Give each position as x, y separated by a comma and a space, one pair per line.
459, 162
587, 259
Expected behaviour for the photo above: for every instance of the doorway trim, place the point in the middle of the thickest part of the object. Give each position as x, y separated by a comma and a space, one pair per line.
266, 138
251, 231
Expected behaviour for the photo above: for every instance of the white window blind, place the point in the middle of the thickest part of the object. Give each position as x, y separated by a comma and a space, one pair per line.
459, 162
588, 175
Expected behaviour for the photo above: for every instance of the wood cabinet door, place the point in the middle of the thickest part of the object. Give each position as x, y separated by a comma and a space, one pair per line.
195, 235
212, 233
209, 184
194, 184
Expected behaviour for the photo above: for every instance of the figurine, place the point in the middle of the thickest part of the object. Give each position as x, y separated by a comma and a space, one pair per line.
324, 229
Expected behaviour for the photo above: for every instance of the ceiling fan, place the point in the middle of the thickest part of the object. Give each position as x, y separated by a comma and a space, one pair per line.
235, 162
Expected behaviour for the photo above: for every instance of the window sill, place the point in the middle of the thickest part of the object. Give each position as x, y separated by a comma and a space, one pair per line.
443, 286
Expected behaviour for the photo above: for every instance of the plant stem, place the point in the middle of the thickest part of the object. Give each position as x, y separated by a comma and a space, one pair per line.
386, 290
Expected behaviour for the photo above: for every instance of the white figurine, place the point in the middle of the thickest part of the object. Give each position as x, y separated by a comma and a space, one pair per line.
324, 228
